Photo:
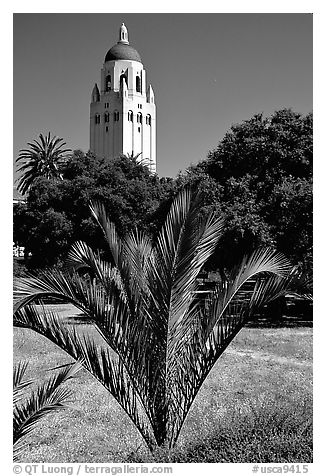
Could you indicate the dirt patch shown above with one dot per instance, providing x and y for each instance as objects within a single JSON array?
[{"x": 258, "y": 355}]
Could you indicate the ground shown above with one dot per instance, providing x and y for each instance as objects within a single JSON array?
[{"x": 264, "y": 371}]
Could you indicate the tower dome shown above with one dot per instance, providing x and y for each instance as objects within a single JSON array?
[{"x": 122, "y": 50}]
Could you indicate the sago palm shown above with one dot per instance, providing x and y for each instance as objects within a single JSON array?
[
  {"x": 29, "y": 409},
  {"x": 42, "y": 159},
  {"x": 159, "y": 338}
]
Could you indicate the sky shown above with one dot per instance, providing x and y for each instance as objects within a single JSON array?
[{"x": 208, "y": 71}]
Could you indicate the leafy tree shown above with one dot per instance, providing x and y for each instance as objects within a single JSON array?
[
  {"x": 242, "y": 179},
  {"x": 19, "y": 223},
  {"x": 257, "y": 170},
  {"x": 49, "y": 237},
  {"x": 291, "y": 220},
  {"x": 44, "y": 158},
  {"x": 245, "y": 224},
  {"x": 160, "y": 340},
  {"x": 268, "y": 149},
  {"x": 47, "y": 398},
  {"x": 57, "y": 212}
]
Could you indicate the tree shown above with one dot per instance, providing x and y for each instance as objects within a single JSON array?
[
  {"x": 47, "y": 398},
  {"x": 57, "y": 212},
  {"x": 245, "y": 225},
  {"x": 44, "y": 158},
  {"x": 253, "y": 168},
  {"x": 267, "y": 149},
  {"x": 291, "y": 221},
  {"x": 160, "y": 340},
  {"x": 19, "y": 223},
  {"x": 49, "y": 237}
]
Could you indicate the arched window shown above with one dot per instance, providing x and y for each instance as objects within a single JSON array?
[
  {"x": 108, "y": 83},
  {"x": 139, "y": 118},
  {"x": 138, "y": 84},
  {"x": 97, "y": 119},
  {"x": 148, "y": 119},
  {"x": 123, "y": 76},
  {"x": 106, "y": 117},
  {"x": 116, "y": 115},
  {"x": 130, "y": 116}
]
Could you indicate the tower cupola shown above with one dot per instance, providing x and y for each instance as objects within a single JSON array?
[{"x": 122, "y": 50}]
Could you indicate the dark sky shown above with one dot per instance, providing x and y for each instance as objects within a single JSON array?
[{"x": 208, "y": 71}]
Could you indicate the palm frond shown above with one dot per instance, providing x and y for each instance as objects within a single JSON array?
[
  {"x": 101, "y": 216},
  {"x": 81, "y": 256},
  {"x": 110, "y": 371},
  {"x": 208, "y": 329},
  {"x": 260, "y": 261},
  {"x": 191, "y": 263},
  {"x": 48, "y": 397},
  {"x": 19, "y": 372},
  {"x": 18, "y": 383},
  {"x": 183, "y": 246},
  {"x": 56, "y": 284},
  {"x": 131, "y": 256}
]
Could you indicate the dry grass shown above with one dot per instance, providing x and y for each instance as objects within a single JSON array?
[{"x": 263, "y": 372}]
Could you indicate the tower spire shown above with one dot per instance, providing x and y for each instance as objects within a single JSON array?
[{"x": 123, "y": 36}]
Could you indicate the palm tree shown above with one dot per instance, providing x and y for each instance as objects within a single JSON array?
[
  {"x": 133, "y": 156},
  {"x": 42, "y": 159},
  {"x": 159, "y": 338},
  {"x": 142, "y": 161},
  {"x": 47, "y": 398}
]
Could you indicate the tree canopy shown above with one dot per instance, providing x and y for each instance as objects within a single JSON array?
[
  {"x": 57, "y": 212},
  {"x": 267, "y": 148},
  {"x": 259, "y": 178}
]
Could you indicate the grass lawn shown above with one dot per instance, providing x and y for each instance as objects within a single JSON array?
[{"x": 255, "y": 406}]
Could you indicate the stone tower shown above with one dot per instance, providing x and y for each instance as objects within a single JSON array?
[{"x": 122, "y": 111}]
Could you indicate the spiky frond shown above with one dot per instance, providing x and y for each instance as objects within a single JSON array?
[
  {"x": 107, "y": 367},
  {"x": 262, "y": 261},
  {"x": 48, "y": 397},
  {"x": 18, "y": 383},
  {"x": 183, "y": 246},
  {"x": 164, "y": 338}
]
